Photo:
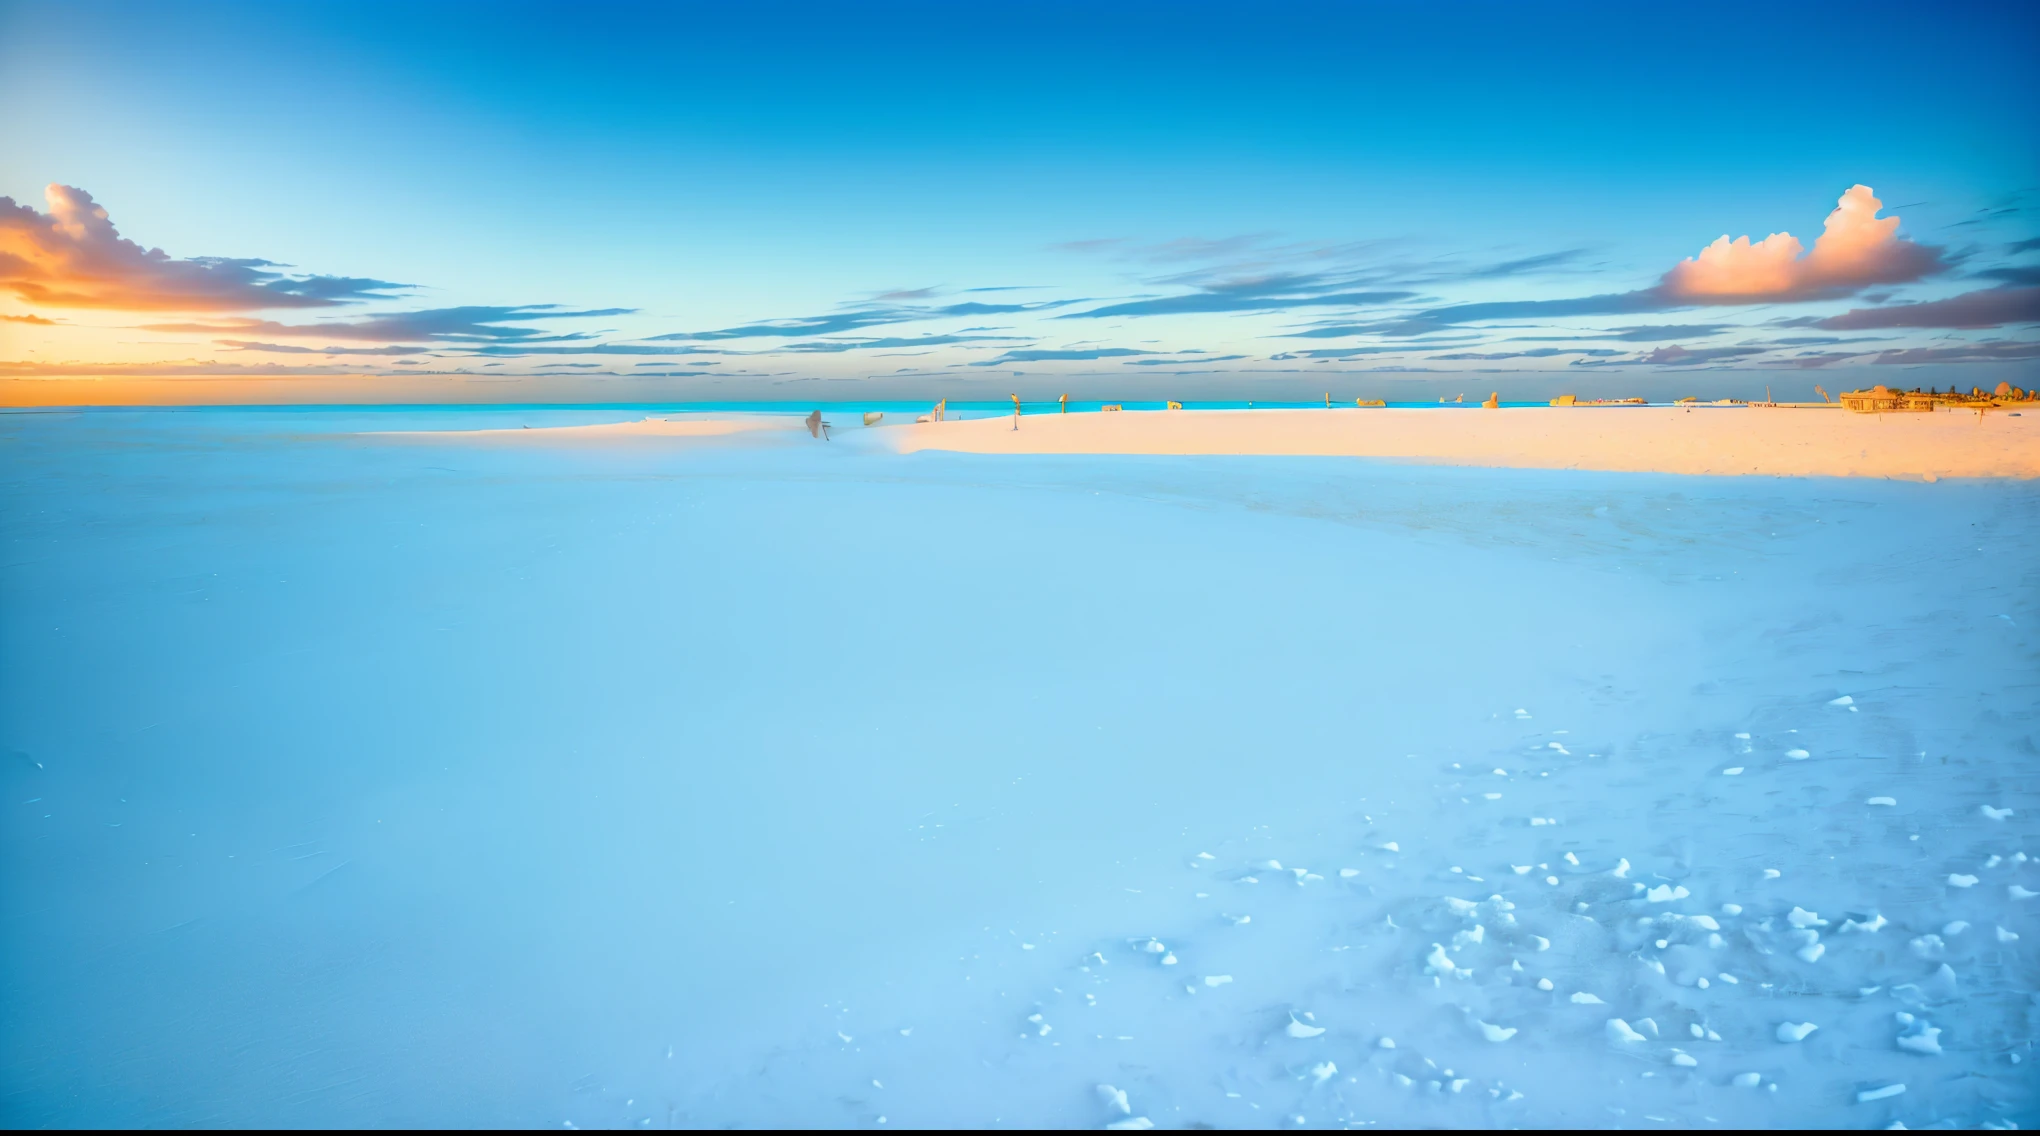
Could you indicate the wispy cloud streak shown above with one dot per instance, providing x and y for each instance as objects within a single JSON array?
[
  {"x": 1991, "y": 307},
  {"x": 471, "y": 324},
  {"x": 851, "y": 319}
]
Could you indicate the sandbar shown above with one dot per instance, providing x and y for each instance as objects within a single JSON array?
[{"x": 1718, "y": 440}]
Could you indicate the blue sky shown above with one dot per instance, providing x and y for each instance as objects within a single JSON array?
[{"x": 925, "y": 196}]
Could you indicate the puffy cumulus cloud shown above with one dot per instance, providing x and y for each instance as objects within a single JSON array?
[
  {"x": 1991, "y": 307},
  {"x": 73, "y": 257},
  {"x": 1855, "y": 250}
]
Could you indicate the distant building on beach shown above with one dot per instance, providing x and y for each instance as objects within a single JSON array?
[
  {"x": 1575, "y": 400},
  {"x": 1882, "y": 399}
]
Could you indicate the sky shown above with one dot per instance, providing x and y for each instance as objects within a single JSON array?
[{"x": 609, "y": 202}]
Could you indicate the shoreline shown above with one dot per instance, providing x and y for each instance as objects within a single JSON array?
[{"x": 1708, "y": 440}]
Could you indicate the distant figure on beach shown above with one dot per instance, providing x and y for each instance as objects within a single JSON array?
[
  {"x": 816, "y": 427},
  {"x": 1494, "y": 401},
  {"x": 1016, "y": 412}
]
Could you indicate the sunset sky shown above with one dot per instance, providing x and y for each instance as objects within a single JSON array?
[{"x": 735, "y": 201}]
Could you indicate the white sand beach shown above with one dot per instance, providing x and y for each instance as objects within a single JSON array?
[{"x": 667, "y": 776}]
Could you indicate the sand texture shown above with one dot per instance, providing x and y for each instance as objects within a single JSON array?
[{"x": 1703, "y": 440}]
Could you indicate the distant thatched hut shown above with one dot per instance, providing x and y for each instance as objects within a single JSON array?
[{"x": 1882, "y": 398}]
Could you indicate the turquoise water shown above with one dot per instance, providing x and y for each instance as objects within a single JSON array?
[
  {"x": 958, "y": 408},
  {"x": 320, "y": 419}
]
